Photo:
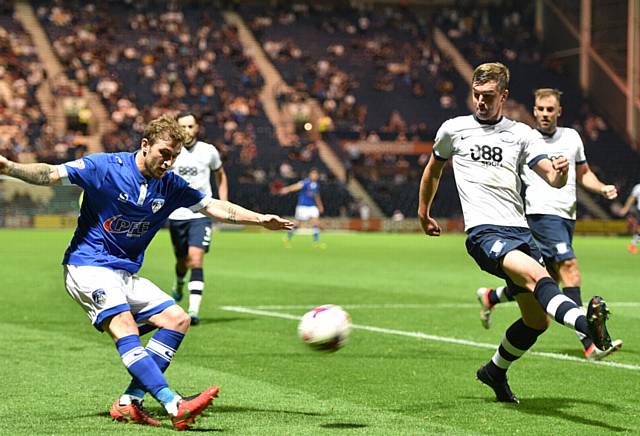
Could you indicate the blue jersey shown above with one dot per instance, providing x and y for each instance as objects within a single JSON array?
[
  {"x": 121, "y": 210},
  {"x": 307, "y": 195}
]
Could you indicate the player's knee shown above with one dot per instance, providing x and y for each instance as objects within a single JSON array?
[
  {"x": 180, "y": 321},
  {"x": 537, "y": 322},
  {"x": 570, "y": 273},
  {"x": 175, "y": 318},
  {"x": 194, "y": 263}
]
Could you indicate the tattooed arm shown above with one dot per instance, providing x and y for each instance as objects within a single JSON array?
[
  {"x": 232, "y": 213},
  {"x": 35, "y": 173}
]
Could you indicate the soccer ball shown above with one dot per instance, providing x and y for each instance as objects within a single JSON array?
[{"x": 325, "y": 328}]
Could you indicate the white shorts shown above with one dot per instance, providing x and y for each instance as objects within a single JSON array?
[
  {"x": 104, "y": 292},
  {"x": 305, "y": 213}
]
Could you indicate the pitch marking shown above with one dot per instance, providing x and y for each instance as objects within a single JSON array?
[
  {"x": 409, "y": 306},
  {"x": 424, "y": 336}
]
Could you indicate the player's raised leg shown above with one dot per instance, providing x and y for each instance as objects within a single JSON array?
[
  {"x": 488, "y": 298},
  {"x": 530, "y": 275}
]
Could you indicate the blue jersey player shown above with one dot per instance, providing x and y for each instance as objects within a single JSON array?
[
  {"x": 127, "y": 198},
  {"x": 309, "y": 206}
]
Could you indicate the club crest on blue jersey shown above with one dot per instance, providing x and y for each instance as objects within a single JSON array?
[
  {"x": 118, "y": 225},
  {"x": 157, "y": 204},
  {"x": 99, "y": 296}
]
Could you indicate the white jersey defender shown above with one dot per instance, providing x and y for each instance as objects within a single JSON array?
[
  {"x": 543, "y": 199},
  {"x": 487, "y": 161},
  {"x": 195, "y": 166}
]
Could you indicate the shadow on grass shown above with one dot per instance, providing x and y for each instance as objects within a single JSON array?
[
  {"x": 343, "y": 425},
  {"x": 240, "y": 409},
  {"x": 553, "y": 406},
  {"x": 204, "y": 321}
]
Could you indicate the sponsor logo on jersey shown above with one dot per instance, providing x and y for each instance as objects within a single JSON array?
[
  {"x": 123, "y": 197},
  {"x": 157, "y": 204},
  {"x": 119, "y": 225},
  {"x": 99, "y": 296},
  {"x": 507, "y": 136}
]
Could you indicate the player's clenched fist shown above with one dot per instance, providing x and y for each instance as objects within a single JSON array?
[
  {"x": 560, "y": 164},
  {"x": 429, "y": 226}
]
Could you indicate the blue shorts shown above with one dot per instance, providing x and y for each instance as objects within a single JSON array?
[
  {"x": 190, "y": 233},
  {"x": 488, "y": 244},
  {"x": 554, "y": 236}
]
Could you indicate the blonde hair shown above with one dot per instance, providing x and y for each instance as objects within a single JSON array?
[
  {"x": 492, "y": 71},
  {"x": 546, "y": 92},
  {"x": 165, "y": 127}
]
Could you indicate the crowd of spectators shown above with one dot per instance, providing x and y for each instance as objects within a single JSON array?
[
  {"x": 368, "y": 68},
  {"x": 379, "y": 77},
  {"x": 147, "y": 58},
  {"x": 22, "y": 123},
  {"x": 375, "y": 71}
]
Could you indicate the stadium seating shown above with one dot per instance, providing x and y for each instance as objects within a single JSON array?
[
  {"x": 148, "y": 60},
  {"x": 21, "y": 118}
]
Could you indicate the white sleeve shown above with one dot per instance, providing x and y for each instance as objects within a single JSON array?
[
  {"x": 636, "y": 192},
  {"x": 533, "y": 149},
  {"x": 443, "y": 146},
  {"x": 215, "y": 162},
  {"x": 581, "y": 156}
]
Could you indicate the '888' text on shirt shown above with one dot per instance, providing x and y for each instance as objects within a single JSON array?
[{"x": 487, "y": 159}]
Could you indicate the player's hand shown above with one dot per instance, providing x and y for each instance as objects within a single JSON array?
[
  {"x": 560, "y": 164},
  {"x": 4, "y": 165},
  {"x": 430, "y": 226},
  {"x": 609, "y": 192},
  {"x": 274, "y": 222}
]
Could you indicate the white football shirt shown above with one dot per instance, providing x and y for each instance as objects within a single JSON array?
[
  {"x": 487, "y": 160},
  {"x": 540, "y": 198},
  {"x": 195, "y": 166}
]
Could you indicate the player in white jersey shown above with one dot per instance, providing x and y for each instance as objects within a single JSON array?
[
  {"x": 633, "y": 201},
  {"x": 487, "y": 150},
  {"x": 191, "y": 231},
  {"x": 551, "y": 212}
]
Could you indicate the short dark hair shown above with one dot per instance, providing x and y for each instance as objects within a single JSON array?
[{"x": 187, "y": 114}]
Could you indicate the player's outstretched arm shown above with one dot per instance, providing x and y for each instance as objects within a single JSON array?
[
  {"x": 223, "y": 184},
  {"x": 428, "y": 188},
  {"x": 555, "y": 172},
  {"x": 34, "y": 173},
  {"x": 232, "y": 213},
  {"x": 291, "y": 188},
  {"x": 590, "y": 181}
]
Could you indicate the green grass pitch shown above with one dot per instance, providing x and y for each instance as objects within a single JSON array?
[{"x": 402, "y": 371}]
